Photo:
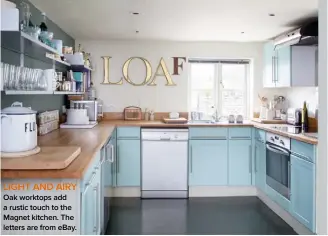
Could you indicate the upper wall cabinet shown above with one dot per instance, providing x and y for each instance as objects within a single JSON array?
[{"x": 290, "y": 66}]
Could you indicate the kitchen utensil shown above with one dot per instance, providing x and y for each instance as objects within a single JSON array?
[
  {"x": 77, "y": 116},
  {"x": 174, "y": 115},
  {"x": 239, "y": 119},
  {"x": 54, "y": 158},
  {"x": 94, "y": 108},
  {"x": 18, "y": 128},
  {"x": 180, "y": 120},
  {"x": 231, "y": 119},
  {"x": 132, "y": 113}
]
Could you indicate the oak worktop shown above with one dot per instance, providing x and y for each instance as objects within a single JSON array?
[{"x": 92, "y": 140}]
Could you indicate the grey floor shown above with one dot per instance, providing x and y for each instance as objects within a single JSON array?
[{"x": 225, "y": 215}]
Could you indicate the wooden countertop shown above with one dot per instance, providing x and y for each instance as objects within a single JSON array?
[{"x": 92, "y": 140}]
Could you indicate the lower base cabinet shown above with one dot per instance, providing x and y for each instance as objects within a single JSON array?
[
  {"x": 208, "y": 162},
  {"x": 240, "y": 162},
  {"x": 303, "y": 191},
  {"x": 127, "y": 165}
]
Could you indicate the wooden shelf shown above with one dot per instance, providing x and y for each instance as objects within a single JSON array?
[
  {"x": 58, "y": 60},
  {"x": 37, "y": 42}
]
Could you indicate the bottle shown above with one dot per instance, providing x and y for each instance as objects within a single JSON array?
[
  {"x": 92, "y": 92},
  {"x": 43, "y": 25},
  {"x": 305, "y": 118}
]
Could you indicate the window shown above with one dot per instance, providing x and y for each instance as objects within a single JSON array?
[{"x": 218, "y": 85}]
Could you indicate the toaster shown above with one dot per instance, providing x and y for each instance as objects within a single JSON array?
[
  {"x": 94, "y": 108},
  {"x": 294, "y": 116}
]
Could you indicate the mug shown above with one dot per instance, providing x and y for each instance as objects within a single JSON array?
[{"x": 50, "y": 77}]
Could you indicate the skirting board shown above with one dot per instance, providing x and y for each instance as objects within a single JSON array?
[
  {"x": 222, "y": 191},
  {"x": 290, "y": 220},
  {"x": 122, "y": 192}
]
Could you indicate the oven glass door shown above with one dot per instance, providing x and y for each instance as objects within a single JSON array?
[{"x": 278, "y": 169}]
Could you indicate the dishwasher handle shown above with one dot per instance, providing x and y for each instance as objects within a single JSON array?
[{"x": 165, "y": 138}]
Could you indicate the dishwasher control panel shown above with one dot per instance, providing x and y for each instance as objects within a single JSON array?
[{"x": 164, "y": 134}]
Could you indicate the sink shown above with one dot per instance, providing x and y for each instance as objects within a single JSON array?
[{"x": 201, "y": 122}]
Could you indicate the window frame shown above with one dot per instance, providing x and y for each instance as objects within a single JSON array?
[{"x": 217, "y": 85}]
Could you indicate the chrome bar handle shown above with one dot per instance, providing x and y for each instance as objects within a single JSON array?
[
  {"x": 250, "y": 158},
  {"x": 255, "y": 159},
  {"x": 273, "y": 70},
  {"x": 190, "y": 159},
  {"x": 95, "y": 219},
  {"x": 112, "y": 149},
  {"x": 289, "y": 179}
]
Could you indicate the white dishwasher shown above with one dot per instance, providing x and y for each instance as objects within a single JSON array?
[{"x": 164, "y": 163}]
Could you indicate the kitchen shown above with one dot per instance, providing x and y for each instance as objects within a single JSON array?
[{"x": 128, "y": 138}]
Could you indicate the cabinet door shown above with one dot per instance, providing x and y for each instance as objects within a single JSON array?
[
  {"x": 260, "y": 165},
  {"x": 128, "y": 163},
  {"x": 283, "y": 66},
  {"x": 302, "y": 191},
  {"x": 107, "y": 165},
  {"x": 268, "y": 73},
  {"x": 90, "y": 207},
  {"x": 208, "y": 162},
  {"x": 240, "y": 162}
]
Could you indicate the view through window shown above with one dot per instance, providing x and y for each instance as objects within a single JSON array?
[{"x": 218, "y": 85}]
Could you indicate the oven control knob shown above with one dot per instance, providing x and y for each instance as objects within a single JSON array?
[
  {"x": 272, "y": 139},
  {"x": 282, "y": 142}
]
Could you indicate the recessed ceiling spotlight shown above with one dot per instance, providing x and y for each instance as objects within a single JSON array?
[
  {"x": 134, "y": 13},
  {"x": 271, "y": 14},
  {"x": 242, "y": 32},
  {"x": 137, "y": 31}
]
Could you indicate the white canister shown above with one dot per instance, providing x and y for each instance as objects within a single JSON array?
[
  {"x": 50, "y": 77},
  {"x": 18, "y": 128}
]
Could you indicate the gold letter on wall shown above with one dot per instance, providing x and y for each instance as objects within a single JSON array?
[
  {"x": 162, "y": 65},
  {"x": 126, "y": 71},
  {"x": 106, "y": 72}
]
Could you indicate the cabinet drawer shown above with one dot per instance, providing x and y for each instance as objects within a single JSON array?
[
  {"x": 208, "y": 133},
  {"x": 259, "y": 135},
  {"x": 240, "y": 133},
  {"x": 128, "y": 133},
  {"x": 304, "y": 150}
]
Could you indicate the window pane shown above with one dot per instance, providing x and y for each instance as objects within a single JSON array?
[
  {"x": 202, "y": 88},
  {"x": 233, "y": 96}
]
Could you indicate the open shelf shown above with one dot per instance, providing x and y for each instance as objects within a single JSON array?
[
  {"x": 68, "y": 92},
  {"x": 80, "y": 68},
  {"x": 58, "y": 60},
  {"x": 39, "y": 43},
  {"x": 22, "y": 92}
]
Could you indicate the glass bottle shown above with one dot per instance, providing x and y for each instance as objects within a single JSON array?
[
  {"x": 43, "y": 25},
  {"x": 26, "y": 15},
  {"x": 305, "y": 118},
  {"x": 92, "y": 92}
]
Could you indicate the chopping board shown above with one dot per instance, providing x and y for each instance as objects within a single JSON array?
[
  {"x": 180, "y": 120},
  {"x": 52, "y": 158},
  {"x": 268, "y": 121}
]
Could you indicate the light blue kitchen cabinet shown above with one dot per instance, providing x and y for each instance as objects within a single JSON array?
[
  {"x": 127, "y": 165},
  {"x": 303, "y": 191},
  {"x": 260, "y": 165},
  {"x": 283, "y": 66},
  {"x": 269, "y": 60},
  {"x": 208, "y": 162},
  {"x": 91, "y": 200},
  {"x": 240, "y": 162}
]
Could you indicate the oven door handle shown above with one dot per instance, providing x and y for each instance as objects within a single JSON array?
[{"x": 277, "y": 150}]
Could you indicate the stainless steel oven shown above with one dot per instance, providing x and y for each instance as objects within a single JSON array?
[{"x": 278, "y": 171}]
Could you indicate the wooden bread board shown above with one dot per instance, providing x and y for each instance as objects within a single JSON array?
[
  {"x": 52, "y": 158},
  {"x": 180, "y": 120},
  {"x": 269, "y": 121}
]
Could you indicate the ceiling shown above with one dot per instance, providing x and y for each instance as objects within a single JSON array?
[{"x": 178, "y": 20}]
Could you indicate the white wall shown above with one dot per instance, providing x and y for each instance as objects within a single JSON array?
[
  {"x": 163, "y": 98},
  {"x": 322, "y": 164},
  {"x": 297, "y": 95}
]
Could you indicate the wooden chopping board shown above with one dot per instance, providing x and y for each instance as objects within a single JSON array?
[
  {"x": 180, "y": 120},
  {"x": 52, "y": 158},
  {"x": 269, "y": 121}
]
